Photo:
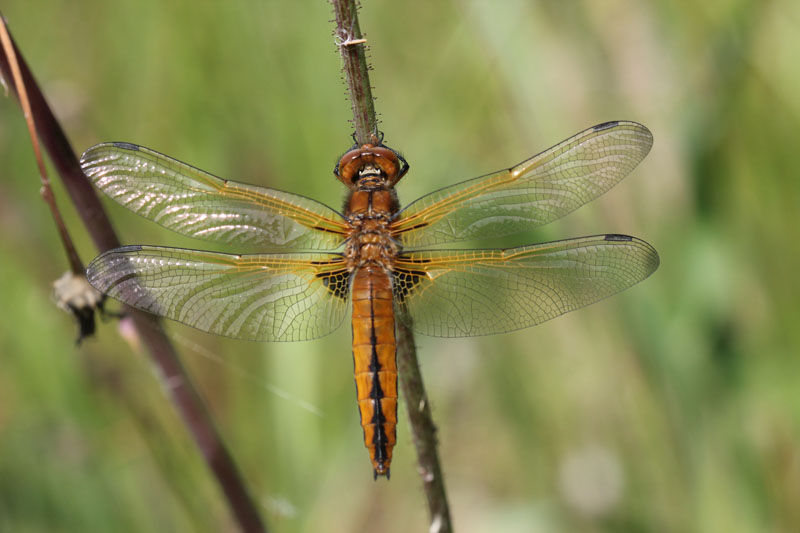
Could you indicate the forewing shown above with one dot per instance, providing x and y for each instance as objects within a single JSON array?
[
  {"x": 464, "y": 293},
  {"x": 535, "y": 192},
  {"x": 266, "y": 297},
  {"x": 195, "y": 203}
]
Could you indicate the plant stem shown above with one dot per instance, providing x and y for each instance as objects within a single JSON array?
[
  {"x": 181, "y": 389},
  {"x": 419, "y": 414},
  {"x": 46, "y": 191},
  {"x": 351, "y": 44},
  {"x": 352, "y": 47}
]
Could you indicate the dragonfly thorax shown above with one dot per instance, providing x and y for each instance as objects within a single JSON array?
[{"x": 369, "y": 213}]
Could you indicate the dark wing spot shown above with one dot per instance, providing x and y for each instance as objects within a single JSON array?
[
  {"x": 605, "y": 125},
  {"x": 127, "y": 146},
  {"x": 404, "y": 283},
  {"x": 337, "y": 283},
  {"x": 617, "y": 237},
  {"x": 129, "y": 248}
]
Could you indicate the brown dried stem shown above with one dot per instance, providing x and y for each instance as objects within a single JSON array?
[
  {"x": 183, "y": 393},
  {"x": 47, "y": 192},
  {"x": 351, "y": 44},
  {"x": 424, "y": 430}
]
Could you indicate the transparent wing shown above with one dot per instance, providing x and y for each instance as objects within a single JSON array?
[
  {"x": 454, "y": 293},
  {"x": 192, "y": 202},
  {"x": 533, "y": 193},
  {"x": 267, "y": 297}
]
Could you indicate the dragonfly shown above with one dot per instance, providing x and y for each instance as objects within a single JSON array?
[{"x": 380, "y": 260}]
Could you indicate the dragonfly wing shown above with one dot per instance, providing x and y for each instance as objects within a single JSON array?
[
  {"x": 266, "y": 297},
  {"x": 535, "y": 192},
  {"x": 464, "y": 293},
  {"x": 194, "y": 203}
]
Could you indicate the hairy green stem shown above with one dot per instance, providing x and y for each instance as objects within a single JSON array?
[{"x": 352, "y": 46}]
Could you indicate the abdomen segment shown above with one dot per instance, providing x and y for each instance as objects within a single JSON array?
[{"x": 374, "y": 360}]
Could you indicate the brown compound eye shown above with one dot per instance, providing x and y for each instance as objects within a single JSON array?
[{"x": 349, "y": 165}]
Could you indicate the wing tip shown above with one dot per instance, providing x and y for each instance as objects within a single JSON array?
[
  {"x": 605, "y": 125},
  {"x": 127, "y": 146},
  {"x": 89, "y": 154},
  {"x": 127, "y": 248},
  {"x": 651, "y": 260},
  {"x": 625, "y": 124},
  {"x": 94, "y": 265}
]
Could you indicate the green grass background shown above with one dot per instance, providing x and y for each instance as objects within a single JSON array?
[{"x": 672, "y": 407}]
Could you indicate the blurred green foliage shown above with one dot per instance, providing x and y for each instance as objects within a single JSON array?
[{"x": 672, "y": 407}]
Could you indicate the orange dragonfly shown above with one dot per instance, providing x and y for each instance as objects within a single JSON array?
[{"x": 375, "y": 254}]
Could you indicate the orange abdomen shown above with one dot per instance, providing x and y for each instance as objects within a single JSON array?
[{"x": 374, "y": 360}]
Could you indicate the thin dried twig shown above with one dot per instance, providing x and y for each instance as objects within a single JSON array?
[
  {"x": 183, "y": 393},
  {"x": 351, "y": 44},
  {"x": 47, "y": 192}
]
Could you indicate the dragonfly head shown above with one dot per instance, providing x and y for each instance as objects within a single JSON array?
[{"x": 371, "y": 166}]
